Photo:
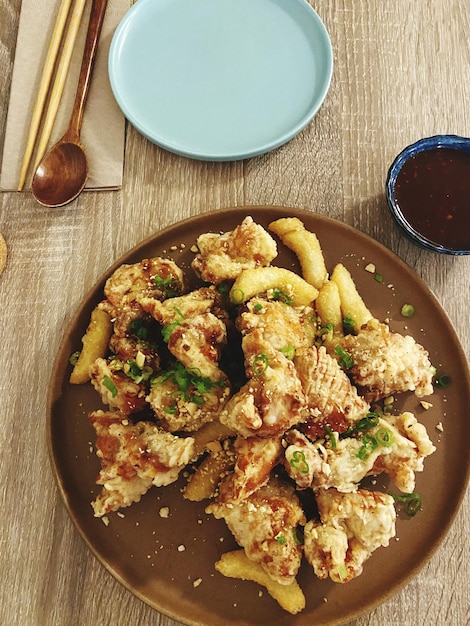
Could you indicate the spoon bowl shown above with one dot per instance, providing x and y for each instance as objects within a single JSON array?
[
  {"x": 68, "y": 161},
  {"x": 63, "y": 171}
]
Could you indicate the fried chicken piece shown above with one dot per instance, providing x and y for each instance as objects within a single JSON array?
[
  {"x": 255, "y": 458},
  {"x": 396, "y": 447},
  {"x": 223, "y": 257},
  {"x": 156, "y": 278},
  {"x": 352, "y": 526},
  {"x": 133, "y": 458},
  {"x": 328, "y": 390},
  {"x": 188, "y": 410},
  {"x": 386, "y": 362},
  {"x": 116, "y": 389},
  {"x": 265, "y": 525},
  {"x": 272, "y": 400},
  {"x": 195, "y": 335},
  {"x": 283, "y": 327},
  {"x": 132, "y": 329},
  {"x": 407, "y": 453},
  {"x": 134, "y": 332}
]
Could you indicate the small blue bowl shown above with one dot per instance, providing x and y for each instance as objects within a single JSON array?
[{"x": 452, "y": 142}]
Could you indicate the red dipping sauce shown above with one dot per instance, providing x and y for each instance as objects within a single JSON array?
[{"x": 432, "y": 191}]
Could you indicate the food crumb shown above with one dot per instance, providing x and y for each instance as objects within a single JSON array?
[
  {"x": 181, "y": 548},
  {"x": 194, "y": 249},
  {"x": 440, "y": 427},
  {"x": 164, "y": 512},
  {"x": 105, "y": 520},
  {"x": 197, "y": 582},
  {"x": 260, "y": 593},
  {"x": 121, "y": 515},
  {"x": 325, "y": 600},
  {"x": 426, "y": 405},
  {"x": 370, "y": 267}
]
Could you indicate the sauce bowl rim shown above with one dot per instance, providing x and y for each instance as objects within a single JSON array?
[{"x": 456, "y": 142}]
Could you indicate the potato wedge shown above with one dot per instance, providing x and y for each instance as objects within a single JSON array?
[
  {"x": 95, "y": 345},
  {"x": 352, "y": 304},
  {"x": 306, "y": 246},
  {"x": 207, "y": 434},
  {"x": 328, "y": 307},
  {"x": 251, "y": 282},
  {"x": 237, "y": 565},
  {"x": 203, "y": 483}
]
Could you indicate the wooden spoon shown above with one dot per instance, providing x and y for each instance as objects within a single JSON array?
[{"x": 63, "y": 171}]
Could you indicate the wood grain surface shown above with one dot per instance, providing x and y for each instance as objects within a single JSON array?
[{"x": 402, "y": 71}]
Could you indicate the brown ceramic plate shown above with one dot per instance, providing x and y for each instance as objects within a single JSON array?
[{"x": 140, "y": 548}]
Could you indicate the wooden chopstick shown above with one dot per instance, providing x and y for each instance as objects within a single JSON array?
[
  {"x": 59, "y": 82},
  {"x": 44, "y": 85}
]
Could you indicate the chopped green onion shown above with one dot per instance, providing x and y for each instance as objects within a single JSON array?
[
  {"x": 412, "y": 502},
  {"x": 331, "y": 436},
  {"x": 237, "y": 296},
  {"x": 299, "y": 462},
  {"x": 378, "y": 278},
  {"x": 73, "y": 358},
  {"x": 169, "y": 285},
  {"x": 369, "y": 444},
  {"x": 115, "y": 365},
  {"x": 282, "y": 296},
  {"x": 366, "y": 423},
  {"x": 138, "y": 328},
  {"x": 289, "y": 352},
  {"x": 110, "y": 386},
  {"x": 348, "y": 325},
  {"x": 384, "y": 437},
  {"x": 191, "y": 385},
  {"x": 223, "y": 288},
  {"x": 442, "y": 381},
  {"x": 297, "y": 539},
  {"x": 345, "y": 359},
  {"x": 258, "y": 307},
  {"x": 324, "y": 330},
  {"x": 260, "y": 364},
  {"x": 182, "y": 378},
  {"x": 342, "y": 571},
  {"x": 281, "y": 539},
  {"x": 135, "y": 373},
  {"x": 169, "y": 328},
  {"x": 171, "y": 410},
  {"x": 407, "y": 310}
]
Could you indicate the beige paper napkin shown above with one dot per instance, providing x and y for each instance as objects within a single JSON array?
[{"x": 103, "y": 124}]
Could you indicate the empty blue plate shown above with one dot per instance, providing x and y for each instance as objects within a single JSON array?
[{"x": 220, "y": 80}]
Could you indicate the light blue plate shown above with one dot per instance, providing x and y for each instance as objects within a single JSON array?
[{"x": 220, "y": 80}]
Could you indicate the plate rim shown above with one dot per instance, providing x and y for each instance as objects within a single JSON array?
[
  {"x": 246, "y": 210},
  {"x": 202, "y": 154}
]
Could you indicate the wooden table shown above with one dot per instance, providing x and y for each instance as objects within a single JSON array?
[{"x": 402, "y": 71}]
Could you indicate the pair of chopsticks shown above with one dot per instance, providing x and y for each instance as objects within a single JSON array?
[{"x": 61, "y": 65}]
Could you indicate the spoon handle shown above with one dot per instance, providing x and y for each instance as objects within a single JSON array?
[{"x": 98, "y": 10}]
